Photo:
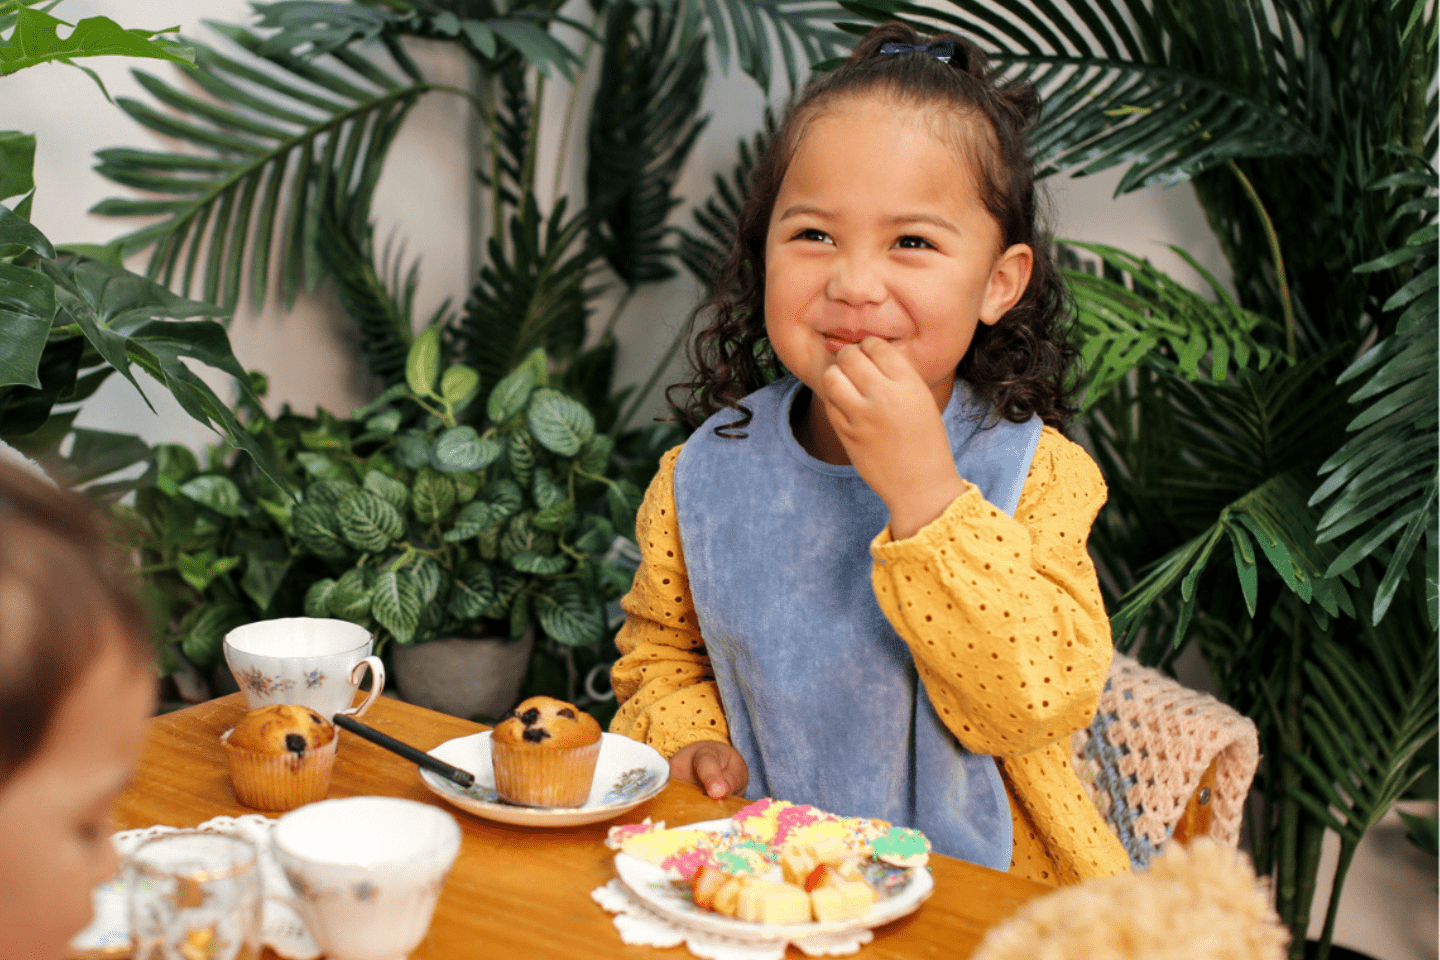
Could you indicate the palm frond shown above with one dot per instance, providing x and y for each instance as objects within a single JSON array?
[
  {"x": 275, "y": 134},
  {"x": 1383, "y": 485},
  {"x": 1119, "y": 325},
  {"x": 1194, "y": 464},
  {"x": 1115, "y": 90},
  {"x": 379, "y": 297},
  {"x": 312, "y": 27},
  {"x": 532, "y": 297},
  {"x": 510, "y": 118},
  {"x": 645, "y": 119},
  {"x": 1372, "y": 707},
  {"x": 1274, "y": 520},
  {"x": 802, "y": 31},
  {"x": 1370, "y": 711}
]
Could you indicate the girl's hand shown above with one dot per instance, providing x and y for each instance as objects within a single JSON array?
[
  {"x": 714, "y": 766},
  {"x": 889, "y": 422}
]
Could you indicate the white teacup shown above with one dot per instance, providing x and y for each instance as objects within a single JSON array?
[
  {"x": 311, "y": 661},
  {"x": 367, "y": 872}
]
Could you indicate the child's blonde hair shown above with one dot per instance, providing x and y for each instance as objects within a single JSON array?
[{"x": 62, "y": 598}]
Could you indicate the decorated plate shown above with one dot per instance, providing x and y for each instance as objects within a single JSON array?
[
  {"x": 626, "y": 775},
  {"x": 901, "y": 892}
]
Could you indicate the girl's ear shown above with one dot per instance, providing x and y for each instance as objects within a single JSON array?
[{"x": 1008, "y": 280}]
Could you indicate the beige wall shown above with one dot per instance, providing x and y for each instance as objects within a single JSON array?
[{"x": 425, "y": 199}]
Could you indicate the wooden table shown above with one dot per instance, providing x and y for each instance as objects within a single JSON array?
[{"x": 517, "y": 891}]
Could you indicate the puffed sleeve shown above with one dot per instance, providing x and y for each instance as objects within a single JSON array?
[
  {"x": 1004, "y": 615},
  {"x": 667, "y": 692}
]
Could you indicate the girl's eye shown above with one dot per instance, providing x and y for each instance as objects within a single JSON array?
[
  {"x": 809, "y": 233},
  {"x": 912, "y": 242}
]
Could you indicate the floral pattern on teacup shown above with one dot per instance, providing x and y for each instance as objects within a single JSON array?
[
  {"x": 259, "y": 684},
  {"x": 629, "y": 785},
  {"x": 314, "y": 680}
]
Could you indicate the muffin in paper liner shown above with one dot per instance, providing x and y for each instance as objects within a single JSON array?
[
  {"x": 265, "y": 780},
  {"x": 555, "y": 777}
]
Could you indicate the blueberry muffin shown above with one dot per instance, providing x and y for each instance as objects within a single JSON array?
[
  {"x": 281, "y": 757},
  {"x": 544, "y": 752}
]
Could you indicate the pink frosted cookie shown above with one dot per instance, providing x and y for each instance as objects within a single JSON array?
[
  {"x": 757, "y": 821},
  {"x": 773, "y": 821},
  {"x": 687, "y": 862},
  {"x": 616, "y": 837},
  {"x": 658, "y": 846}
]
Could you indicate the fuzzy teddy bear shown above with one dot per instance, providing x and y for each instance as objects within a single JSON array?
[{"x": 1201, "y": 902}]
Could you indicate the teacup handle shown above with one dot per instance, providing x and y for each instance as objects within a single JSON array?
[{"x": 377, "y": 684}]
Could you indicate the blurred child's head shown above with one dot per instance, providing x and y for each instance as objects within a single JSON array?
[
  {"x": 77, "y": 683},
  {"x": 1019, "y": 363}
]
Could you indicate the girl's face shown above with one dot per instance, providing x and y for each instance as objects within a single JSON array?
[
  {"x": 54, "y": 809},
  {"x": 878, "y": 230}
]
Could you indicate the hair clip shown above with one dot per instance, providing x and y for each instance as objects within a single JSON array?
[{"x": 942, "y": 50}]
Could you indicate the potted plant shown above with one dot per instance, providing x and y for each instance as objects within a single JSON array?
[{"x": 452, "y": 540}]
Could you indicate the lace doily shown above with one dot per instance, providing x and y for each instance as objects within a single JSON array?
[
  {"x": 638, "y": 924},
  {"x": 282, "y": 929}
]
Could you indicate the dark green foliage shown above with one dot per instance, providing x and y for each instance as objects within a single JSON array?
[
  {"x": 644, "y": 121},
  {"x": 531, "y": 297},
  {"x": 428, "y": 546},
  {"x": 1271, "y": 457}
]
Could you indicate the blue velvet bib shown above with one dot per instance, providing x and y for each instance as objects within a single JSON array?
[{"x": 820, "y": 692}]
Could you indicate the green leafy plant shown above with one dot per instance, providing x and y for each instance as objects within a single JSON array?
[
  {"x": 434, "y": 528},
  {"x": 407, "y": 522},
  {"x": 283, "y": 151},
  {"x": 1271, "y": 456},
  {"x": 215, "y": 541},
  {"x": 71, "y": 318},
  {"x": 276, "y": 162}
]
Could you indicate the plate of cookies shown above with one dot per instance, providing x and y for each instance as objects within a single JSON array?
[
  {"x": 547, "y": 764},
  {"x": 775, "y": 871}
]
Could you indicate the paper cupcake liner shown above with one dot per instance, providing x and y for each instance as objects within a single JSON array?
[
  {"x": 544, "y": 777},
  {"x": 284, "y": 781}
]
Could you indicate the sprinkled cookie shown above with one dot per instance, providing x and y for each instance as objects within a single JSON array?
[{"x": 783, "y": 862}]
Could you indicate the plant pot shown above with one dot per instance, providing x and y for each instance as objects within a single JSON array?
[
  {"x": 1337, "y": 952},
  {"x": 463, "y": 676}
]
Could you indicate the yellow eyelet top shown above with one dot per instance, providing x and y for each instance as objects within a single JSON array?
[{"x": 1003, "y": 617}]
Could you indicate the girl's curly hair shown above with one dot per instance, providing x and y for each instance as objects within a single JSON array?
[{"x": 1023, "y": 364}]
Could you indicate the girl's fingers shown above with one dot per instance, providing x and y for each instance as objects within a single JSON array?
[
  {"x": 860, "y": 368},
  {"x": 716, "y": 768},
  {"x": 711, "y": 773},
  {"x": 885, "y": 357},
  {"x": 840, "y": 391}
]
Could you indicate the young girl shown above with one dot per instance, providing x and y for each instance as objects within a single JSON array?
[
  {"x": 77, "y": 683},
  {"x": 865, "y": 587}
]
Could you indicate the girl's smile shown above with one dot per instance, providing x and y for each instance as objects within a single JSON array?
[{"x": 839, "y": 338}]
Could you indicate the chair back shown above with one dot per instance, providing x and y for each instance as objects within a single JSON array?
[{"x": 1163, "y": 762}]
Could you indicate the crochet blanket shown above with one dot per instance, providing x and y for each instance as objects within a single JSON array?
[{"x": 1142, "y": 757}]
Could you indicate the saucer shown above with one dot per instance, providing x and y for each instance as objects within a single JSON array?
[{"x": 626, "y": 775}]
